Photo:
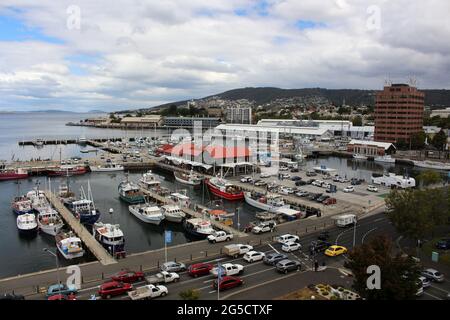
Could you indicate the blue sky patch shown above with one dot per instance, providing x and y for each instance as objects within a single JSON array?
[
  {"x": 308, "y": 24},
  {"x": 13, "y": 29}
]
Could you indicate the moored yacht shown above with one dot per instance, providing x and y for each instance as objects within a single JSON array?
[
  {"x": 149, "y": 180},
  {"x": 267, "y": 202},
  {"x": 386, "y": 158},
  {"x": 180, "y": 199},
  {"x": 84, "y": 209},
  {"x": 108, "y": 167},
  {"x": 69, "y": 245},
  {"x": 358, "y": 156},
  {"x": 223, "y": 189},
  {"x": 22, "y": 205},
  {"x": 26, "y": 223},
  {"x": 110, "y": 237},
  {"x": 49, "y": 221},
  {"x": 198, "y": 227},
  {"x": 130, "y": 193},
  {"x": 173, "y": 213},
  {"x": 148, "y": 213},
  {"x": 190, "y": 178}
]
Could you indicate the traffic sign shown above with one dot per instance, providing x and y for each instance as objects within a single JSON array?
[{"x": 168, "y": 236}]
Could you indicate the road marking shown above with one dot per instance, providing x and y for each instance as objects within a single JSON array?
[
  {"x": 437, "y": 288},
  {"x": 367, "y": 233},
  {"x": 273, "y": 248},
  {"x": 433, "y": 296}
]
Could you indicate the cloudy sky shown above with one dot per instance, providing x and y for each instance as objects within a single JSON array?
[{"x": 82, "y": 54}]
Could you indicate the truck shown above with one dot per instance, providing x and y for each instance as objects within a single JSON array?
[
  {"x": 163, "y": 277},
  {"x": 235, "y": 250},
  {"x": 219, "y": 236},
  {"x": 149, "y": 291},
  {"x": 345, "y": 220},
  {"x": 228, "y": 269}
]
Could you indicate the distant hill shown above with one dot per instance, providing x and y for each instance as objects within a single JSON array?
[{"x": 433, "y": 98}]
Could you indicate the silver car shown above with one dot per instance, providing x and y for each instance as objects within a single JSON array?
[
  {"x": 173, "y": 266},
  {"x": 433, "y": 275}
]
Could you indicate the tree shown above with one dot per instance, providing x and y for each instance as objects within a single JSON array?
[
  {"x": 398, "y": 274},
  {"x": 417, "y": 213},
  {"x": 357, "y": 121},
  {"x": 418, "y": 140},
  {"x": 190, "y": 294},
  {"x": 439, "y": 140},
  {"x": 429, "y": 177}
]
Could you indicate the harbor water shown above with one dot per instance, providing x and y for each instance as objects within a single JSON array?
[{"x": 23, "y": 255}]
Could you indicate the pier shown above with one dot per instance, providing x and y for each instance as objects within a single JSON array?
[
  {"x": 88, "y": 239},
  {"x": 195, "y": 214}
]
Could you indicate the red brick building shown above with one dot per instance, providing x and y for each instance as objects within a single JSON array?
[{"x": 398, "y": 113}]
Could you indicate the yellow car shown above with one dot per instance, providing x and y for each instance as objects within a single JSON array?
[{"x": 334, "y": 251}]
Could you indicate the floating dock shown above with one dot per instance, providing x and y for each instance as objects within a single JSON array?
[{"x": 88, "y": 239}]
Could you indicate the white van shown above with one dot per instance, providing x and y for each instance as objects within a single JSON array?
[{"x": 345, "y": 220}]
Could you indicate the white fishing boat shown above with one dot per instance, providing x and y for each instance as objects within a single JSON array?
[
  {"x": 111, "y": 237},
  {"x": 386, "y": 159},
  {"x": 432, "y": 165},
  {"x": 198, "y": 227},
  {"x": 147, "y": 213},
  {"x": 21, "y": 205},
  {"x": 190, "y": 178},
  {"x": 27, "y": 224},
  {"x": 149, "y": 180},
  {"x": 358, "y": 156},
  {"x": 69, "y": 245},
  {"x": 173, "y": 213},
  {"x": 49, "y": 221},
  {"x": 108, "y": 167},
  {"x": 181, "y": 199},
  {"x": 269, "y": 202},
  {"x": 38, "y": 199}
]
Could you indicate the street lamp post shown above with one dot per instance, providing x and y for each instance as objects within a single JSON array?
[
  {"x": 354, "y": 231},
  {"x": 57, "y": 268}
]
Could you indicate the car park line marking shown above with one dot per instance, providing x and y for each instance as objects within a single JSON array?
[
  {"x": 367, "y": 233},
  {"x": 433, "y": 296},
  {"x": 437, "y": 288},
  {"x": 273, "y": 248}
]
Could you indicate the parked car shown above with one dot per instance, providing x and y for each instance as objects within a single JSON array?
[
  {"x": 283, "y": 169},
  {"x": 433, "y": 275},
  {"x": 285, "y": 176},
  {"x": 300, "y": 183},
  {"x": 318, "y": 246},
  {"x": 11, "y": 296},
  {"x": 310, "y": 181},
  {"x": 265, "y": 175},
  {"x": 285, "y": 238},
  {"x": 290, "y": 246},
  {"x": 287, "y": 265},
  {"x": 349, "y": 189},
  {"x": 253, "y": 256},
  {"x": 317, "y": 183},
  {"x": 302, "y": 193},
  {"x": 113, "y": 288},
  {"x": 173, "y": 266},
  {"x": 329, "y": 201},
  {"x": 199, "y": 269},
  {"x": 443, "y": 244},
  {"x": 314, "y": 196},
  {"x": 273, "y": 258},
  {"x": 425, "y": 281},
  {"x": 335, "y": 250},
  {"x": 62, "y": 297},
  {"x": 286, "y": 190},
  {"x": 311, "y": 173},
  {"x": 322, "y": 198},
  {"x": 266, "y": 226},
  {"x": 355, "y": 181},
  {"x": 219, "y": 236},
  {"x": 372, "y": 188},
  {"x": 228, "y": 282},
  {"x": 128, "y": 276},
  {"x": 61, "y": 289},
  {"x": 260, "y": 183},
  {"x": 326, "y": 185},
  {"x": 296, "y": 178},
  {"x": 295, "y": 170},
  {"x": 246, "y": 179}
]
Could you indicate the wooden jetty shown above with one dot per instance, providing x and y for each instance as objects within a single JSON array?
[{"x": 88, "y": 239}]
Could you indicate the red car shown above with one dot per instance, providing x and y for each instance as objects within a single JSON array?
[
  {"x": 113, "y": 288},
  {"x": 199, "y": 269},
  {"x": 62, "y": 297},
  {"x": 228, "y": 282},
  {"x": 329, "y": 201},
  {"x": 128, "y": 276}
]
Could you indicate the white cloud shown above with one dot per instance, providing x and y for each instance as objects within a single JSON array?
[{"x": 142, "y": 53}]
